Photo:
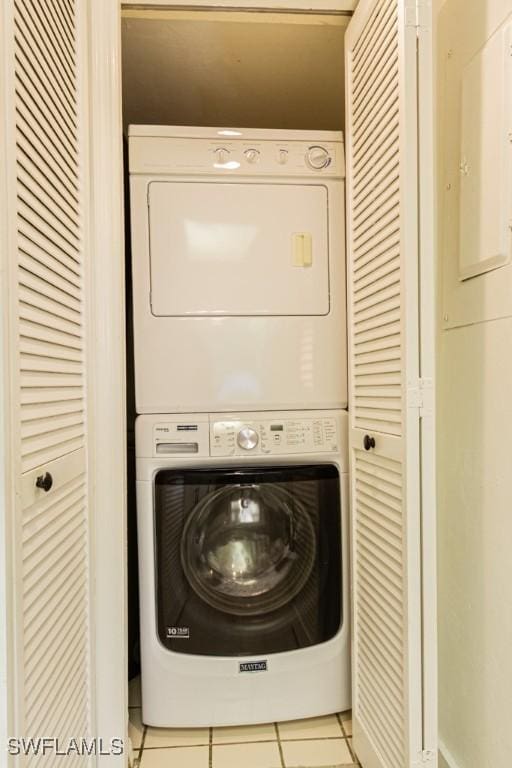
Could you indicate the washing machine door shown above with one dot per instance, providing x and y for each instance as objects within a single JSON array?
[
  {"x": 247, "y": 560},
  {"x": 248, "y": 549}
]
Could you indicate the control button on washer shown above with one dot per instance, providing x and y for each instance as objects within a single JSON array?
[{"x": 247, "y": 438}]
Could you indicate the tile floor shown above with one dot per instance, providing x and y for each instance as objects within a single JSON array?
[{"x": 322, "y": 742}]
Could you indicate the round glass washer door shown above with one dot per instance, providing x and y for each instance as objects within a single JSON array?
[{"x": 248, "y": 549}]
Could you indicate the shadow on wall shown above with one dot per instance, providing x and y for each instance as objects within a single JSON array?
[
  {"x": 133, "y": 575},
  {"x": 257, "y": 74}
]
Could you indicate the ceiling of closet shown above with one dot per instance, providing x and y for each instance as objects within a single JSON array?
[{"x": 257, "y": 70}]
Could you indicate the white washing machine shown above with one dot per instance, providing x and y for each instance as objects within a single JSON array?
[
  {"x": 238, "y": 251},
  {"x": 244, "y": 567}
]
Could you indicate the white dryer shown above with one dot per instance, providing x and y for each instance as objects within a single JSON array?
[
  {"x": 244, "y": 567},
  {"x": 238, "y": 251}
]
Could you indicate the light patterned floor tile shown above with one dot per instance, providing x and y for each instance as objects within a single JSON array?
[
  {"x": 134, "y": 696},
  {"x": 176, "y": 737},
  {"x": 178, "y": 757},
  {"x": 135, "y": 727},
  {"x": 346, "y": 719},
  {"x": 313, "y": 728},
  {"x": 244, "y": 733},
  {"x": 260, "y": 755},
  {"x": 313, "y": 754}
]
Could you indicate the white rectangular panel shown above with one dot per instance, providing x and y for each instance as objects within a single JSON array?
[
  {"x": 486, "y": 158},
  {"x": 230, "y": 249},
  {"x": 475, "y": 152}
]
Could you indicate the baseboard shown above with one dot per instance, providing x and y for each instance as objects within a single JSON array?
[{"x": 446, "y": 759}]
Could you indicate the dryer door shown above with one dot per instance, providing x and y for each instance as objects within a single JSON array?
[
  {"x": 248, "y": 560},
  {"x": 221, "y": 249}
]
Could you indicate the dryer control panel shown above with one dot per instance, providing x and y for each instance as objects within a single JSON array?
[
  {"x": 274, "y": 436},
  {"x": 236, "y": 153}
]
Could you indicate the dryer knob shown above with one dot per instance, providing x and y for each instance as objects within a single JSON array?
[
  {"x": 318, "y": 158},
  {"x": 247, "y": 438},
  {"x": 252, "y": 155},
  {"x": 222, "y": 155}
]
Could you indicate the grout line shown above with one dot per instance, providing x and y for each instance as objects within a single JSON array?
[
  {"x": 279, "y": 745},
  {"x": 348, "y": 739},
  {"x": 250, "y": 741},
  {"x": 210, "y": 747},
  {"x": 340, "y": 723},
  {"x": 141, "y": 747},
  {"x": 352, "y": 753},
  {"x": 313, "y": 738},
  {"x": 178, "y": 746}
]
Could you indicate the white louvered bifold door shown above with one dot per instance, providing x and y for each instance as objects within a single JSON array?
[
  {"x": 385, "y": 384},
  {"x": 47, "y": 124}
]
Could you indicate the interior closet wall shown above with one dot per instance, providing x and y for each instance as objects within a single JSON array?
[
  {"x": 256, "y": 70},
  {"x": 475, "y": 422}
]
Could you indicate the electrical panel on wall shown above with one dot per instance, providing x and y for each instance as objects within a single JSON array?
[{"x": 476, "y": 162}]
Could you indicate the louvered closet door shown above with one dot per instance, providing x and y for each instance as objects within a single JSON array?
[
  {"x": 384, "y": 293},
  {"x": 45, "y": 43}
]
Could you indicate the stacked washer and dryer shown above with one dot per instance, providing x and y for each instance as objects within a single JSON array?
[{"x": 238, "y": 251}]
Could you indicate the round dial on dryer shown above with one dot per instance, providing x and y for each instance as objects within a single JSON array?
[
  {"x": 222, "y": 155},
  {"x": 252, "y": 155},
  {"x": 247, "y": 438},
  {"x": 318, "y": 158}
]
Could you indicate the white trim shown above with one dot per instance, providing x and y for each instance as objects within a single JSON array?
[
  {"x": 107, "y": 436},
  {"x": 9, "y": 388},
  {"x": 409, "y": 204},
  {"x": 234, "y": 16},
  {"x": 7, "y": 486},
  {"x": 73, "y": 464},
  {"x": 427, "y": 302},
  {"x": 311, "y": 6},
  {"x": 446, "y": 759}
]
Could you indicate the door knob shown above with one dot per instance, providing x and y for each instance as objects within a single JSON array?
[
  {"x": 368, "y": 442},
  {"x": 45, "y": 482}
]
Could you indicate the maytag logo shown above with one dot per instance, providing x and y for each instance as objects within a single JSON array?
[{"x": 252, "y": 666}]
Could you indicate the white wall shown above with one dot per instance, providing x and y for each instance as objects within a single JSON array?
[
  {"x": 475, "y": 544},
  {"x": 474, "y": 450}
]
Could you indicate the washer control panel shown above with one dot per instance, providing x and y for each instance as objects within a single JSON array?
[{"x": 273, "y": 436}]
